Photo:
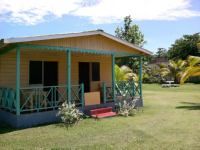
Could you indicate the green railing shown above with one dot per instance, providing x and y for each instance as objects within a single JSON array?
[
  {"x": 49, "y": 97},
  {"x": 107, "y": 93},
  {"x": 42, "y": 98},
  {"x": 7, "y": 99},
  {"x": 35, "y": 99},
  {"x": 77, "y": 95},
  {"x": 127, "y": 89},
  {"x": 123, "y": 90}
]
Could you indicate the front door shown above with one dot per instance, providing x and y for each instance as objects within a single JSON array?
[{"x": 84, "y": 75}]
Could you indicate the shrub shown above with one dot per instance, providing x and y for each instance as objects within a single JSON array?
[
  {"x": 69, "y": 114},
  {"x": 125, "y": 108}
]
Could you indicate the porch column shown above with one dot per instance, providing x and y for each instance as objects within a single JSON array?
[
  {"x": 17, "y": 81},
  {"x": 69, "y": 76},
  {"x": 140, "y": 78},
  {"x": 113, "y": 76}
]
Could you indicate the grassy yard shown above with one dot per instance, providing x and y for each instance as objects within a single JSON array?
[{"x": 170, "y": 120}]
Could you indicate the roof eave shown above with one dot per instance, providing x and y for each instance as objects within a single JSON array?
[{"x": 70, "y": 35}]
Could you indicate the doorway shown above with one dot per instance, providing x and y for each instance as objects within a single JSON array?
[
  {"x": 50, "y": 73},
  {"x": 84, "y": 75}
]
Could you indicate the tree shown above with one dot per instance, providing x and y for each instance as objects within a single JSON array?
[
  {"x": 185, "y": 46},
  {"x": 161, "y": 52},
  {"x": 124, "y": 73},
  {"x": 151, "y": 74},
  {"x": 173, "y": 70},
  {"x": 130, "y": 32},
  {"x": 193, "y": 68}
]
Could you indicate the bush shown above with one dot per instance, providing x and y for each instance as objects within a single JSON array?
[
  {"x": 69, "y": 114},
  {"x": 126, "y": 108}
]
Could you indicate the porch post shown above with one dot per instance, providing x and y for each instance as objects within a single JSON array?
[
  {"x": 140, "y": 78},
  {"x": 104, "y": 92},
  {"x": 69, "y": 76},
  {"x": 113, "y": 76},
  {"x": 82, "y": 95},
  {"x": 17, "y": 81}
]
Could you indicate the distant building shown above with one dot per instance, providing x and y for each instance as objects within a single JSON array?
[{"x": 159, "y": 60}]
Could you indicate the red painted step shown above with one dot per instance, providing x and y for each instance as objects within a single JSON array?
[{"x": 102, "y": 112}]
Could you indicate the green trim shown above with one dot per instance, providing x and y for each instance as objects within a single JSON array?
[
  {"x": 18, "y": 81},
  {"x": 113, "y": 76},
  {"x": 69, "y": 76},
  {"x": 82, "y": 95},
  {"x": 104, "y": 92},
  {"x": 140, "y": 76}
]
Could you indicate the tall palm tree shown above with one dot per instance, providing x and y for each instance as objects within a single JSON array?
[
  {"x": 193, "y": 68},
  {"x": 173, "y": 70}
]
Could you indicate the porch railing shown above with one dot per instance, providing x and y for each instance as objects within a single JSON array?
[
  {"x": 49, "y": 97},
  {"x": 123, "y": 90},
  {"x": 41, "y": 98},
  {"x": 127, "y": 89},
  {"x": 35, "y": 99},
  {"x": 7, "y": 99},
  {"x": 77, "y": 95}
]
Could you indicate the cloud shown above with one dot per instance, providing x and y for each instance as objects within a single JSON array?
[
  {"x": 114, "y": 10},
  {"x": 31, "y": 12}
]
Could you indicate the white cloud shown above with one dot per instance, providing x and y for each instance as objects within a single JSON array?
[
  {"x": 32, "y": 12},
  {"x": 114, "y": 10}
]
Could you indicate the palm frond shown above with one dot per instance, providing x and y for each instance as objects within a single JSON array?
[{"x": 190, "y": 72}]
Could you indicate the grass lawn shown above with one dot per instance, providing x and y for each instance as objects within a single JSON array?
[{"x": 170, "y": 120}]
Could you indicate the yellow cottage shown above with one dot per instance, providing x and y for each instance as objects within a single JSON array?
[{"x": 39, "y": 73}]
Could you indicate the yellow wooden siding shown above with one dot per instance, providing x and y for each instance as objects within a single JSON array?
[
  {"x": 97, "y": 42},
  {"x": 8, "y": 69}
]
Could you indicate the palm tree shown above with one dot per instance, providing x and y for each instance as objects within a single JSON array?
[
  {"x": 193, "y": 68},
  {"x": 124, "y": 73},
  {"x": 173, "y": 70}
]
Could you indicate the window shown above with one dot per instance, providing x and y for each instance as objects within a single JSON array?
[
  {"x": 43, "y": 72},
  {"x": 95, "y": 71},
  {"x": 35, "y": 72}
]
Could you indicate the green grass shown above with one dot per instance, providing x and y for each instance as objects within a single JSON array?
[{"x": 170, "y": 120}]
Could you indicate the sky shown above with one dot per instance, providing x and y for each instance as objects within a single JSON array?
[{"x": 161, "y": 21}]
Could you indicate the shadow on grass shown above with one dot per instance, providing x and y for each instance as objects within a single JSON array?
[
  {"x": 4, "y": 128},
  {"x": 189, "y": 106}
]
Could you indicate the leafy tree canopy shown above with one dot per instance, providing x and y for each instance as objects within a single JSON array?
[
  {"x": 185, "y": 46},
  {"x": 161, "y": 52},
  {"x": 130, "y": 32}
]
